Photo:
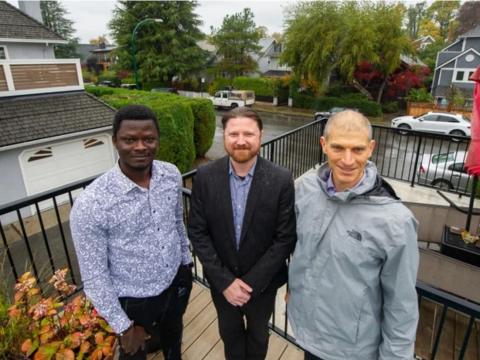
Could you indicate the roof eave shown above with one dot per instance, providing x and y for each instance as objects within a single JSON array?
[{"x": 33, "y": 41}]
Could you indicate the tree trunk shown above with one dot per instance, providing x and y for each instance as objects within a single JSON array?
[
  {"x": 362, "y": 90},
  {"x": 380, "y": 91}
]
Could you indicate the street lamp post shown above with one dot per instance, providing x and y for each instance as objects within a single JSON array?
[{"x": 134, "y": 49}]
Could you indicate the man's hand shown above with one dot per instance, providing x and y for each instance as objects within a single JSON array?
[
  {"x": 238, "y": 293},
  {"x": 134, "y": 339}
]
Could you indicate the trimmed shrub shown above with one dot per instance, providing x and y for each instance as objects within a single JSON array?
[
  {"x": 390, "y": 107},
  {"x": 175, "y": 120},
  {"x": 262, "y": 86},
  {"x": 366, "y": 107},
  {"x": 219, "y": 84},
  {"x": 109, "y": 76},
  {"x": 204, "y": 125},
  {"x": 419, "y": 95},
  {"x": 187, "y": 126}
]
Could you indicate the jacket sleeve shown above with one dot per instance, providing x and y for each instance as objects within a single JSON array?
[
  {"x": 400, "y": 304},
  {"x": 219, "y": 275},
  {"x": 260, "y": 276}
]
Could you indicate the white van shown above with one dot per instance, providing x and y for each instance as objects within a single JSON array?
[{"x": 233, "y": 98}]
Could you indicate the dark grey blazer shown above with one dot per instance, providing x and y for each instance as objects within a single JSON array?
[{"x": 268, "y": 233}]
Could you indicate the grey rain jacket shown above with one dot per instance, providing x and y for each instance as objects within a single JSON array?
[{"x": 353, "y": 272}]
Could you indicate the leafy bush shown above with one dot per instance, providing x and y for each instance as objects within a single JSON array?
[
  {"x": 390, "y": 107},
  {"x": 419, "y": 95},
  {"x": 261, "y": 86},
  {"x": 56, "y": 328},
  {"x": 12, "y": 332},
  {"x": 187, "y": 126},
  {"x": 99, "y": 91},
  {"x": 109, "y": 76},
  {"x": 367, "y": 107},
  {"x": 204, "y": 125},
  {"x": 89, "y": 77},
  {"x": 219, "y": 84}
]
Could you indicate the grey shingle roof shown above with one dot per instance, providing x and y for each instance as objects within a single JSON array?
[
  {"x": 14, "y": 24},
  {"x": 475, "y": 32},
  {"x": 30, "y": 118}
]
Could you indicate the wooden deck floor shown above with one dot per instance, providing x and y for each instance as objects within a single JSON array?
[{"x": 202, "y": 341}]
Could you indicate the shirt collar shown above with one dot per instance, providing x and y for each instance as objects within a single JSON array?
[
  {"x": 231, "y": 171},
  {"x": 331, "y": 186},
  {"x": 124, "y": 184}
]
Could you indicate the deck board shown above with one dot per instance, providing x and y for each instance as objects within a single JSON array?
[{"x": 201, "y": 339}]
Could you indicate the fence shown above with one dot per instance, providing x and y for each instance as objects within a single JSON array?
[
  {"x": 416, "y": 109},
  {"x": 40, "y": 241}
]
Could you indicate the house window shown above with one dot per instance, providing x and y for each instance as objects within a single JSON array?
[
  {"x": 88, "y": 143},
  {"x": 41, "y": 154},
  {"x": 463, "y": 75},
  {"x": 3, "y": 52}
]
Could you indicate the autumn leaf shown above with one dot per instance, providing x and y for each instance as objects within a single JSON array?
[
  {"x": 65, "y": 354},
  {"x": 46, "y": 352},
  {"x": 26, "y": 346},
  {"x": 97, "y": 354}
]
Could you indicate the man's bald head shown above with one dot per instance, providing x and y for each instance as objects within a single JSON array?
[{"x": 347, "y": 121}]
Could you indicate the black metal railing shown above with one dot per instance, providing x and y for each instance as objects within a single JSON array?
[
  {"x": 428, "y": 159},
  {"x": 36, "y": 236}
]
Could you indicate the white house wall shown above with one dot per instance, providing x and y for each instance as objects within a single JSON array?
[{"x": 29, "y": 51}]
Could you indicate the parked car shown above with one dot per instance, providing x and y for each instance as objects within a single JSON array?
[
  {"x": 444, "y": 170},
  {"x": 445, "y": 123},
  {"x": 106, "y": 83},
  {"x": 129, "y": 86},
  {"x": 326, "y": 114},
  {"x": 165, "y": 90},
  {"x": 234, "y": 98}
]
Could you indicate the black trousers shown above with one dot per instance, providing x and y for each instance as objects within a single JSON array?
[
  {"x": 244, "y": 329},
  {"x": 161, "y": 316}
]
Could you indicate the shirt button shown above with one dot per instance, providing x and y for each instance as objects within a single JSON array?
[
  {"x": 163, "y": 247},
  {"x": 158, "y": 229},
  {"x": 167, "y": 265},
  {"x": 154, "y": 211}
]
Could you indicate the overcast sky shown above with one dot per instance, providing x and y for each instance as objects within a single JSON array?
[{"x": 91, "y": 17}]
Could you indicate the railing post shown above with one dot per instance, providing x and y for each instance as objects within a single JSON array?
[
  {"x": 272, "y": 151},
  {"x": 416, "y": 162}
]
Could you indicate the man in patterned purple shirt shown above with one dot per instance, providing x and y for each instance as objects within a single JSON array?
[{"x": 130, "y": 240}]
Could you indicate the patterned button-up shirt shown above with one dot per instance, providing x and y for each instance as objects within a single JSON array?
[
  {"x": 239, "y": 188},
  {"x": 129, "y": 240}
]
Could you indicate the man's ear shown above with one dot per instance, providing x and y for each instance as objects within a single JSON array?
[
  {"x": 372, "y": 147},
  {"x": 323, "y": 142}
]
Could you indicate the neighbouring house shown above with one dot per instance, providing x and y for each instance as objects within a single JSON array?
[
  {"x": 423, "y": 41},
  {"x": 24, "y": 37},
  {"x": 268, "y": 59},
  {"x": 104, "y": 55},
  {"x": 455, "y": 64},
  {"x": 52, "y": 132}
]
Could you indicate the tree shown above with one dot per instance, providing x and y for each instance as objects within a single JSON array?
[
  {"x": 340, "y": 36},
  {"x": 102, "y": 39},
  {"x": 391, "y": 41},
  {"x": 443, "y": 12},
  {"x": 323, "y": 36},
  {"x": 415, "y": 15},
  {"x": 164, "y": 49},
  {"x": 468, "y": 17},
  {"x": 429, "y": 27},
  {"x": 236, "y": 41},
  {"x": 54, "y": 18}
]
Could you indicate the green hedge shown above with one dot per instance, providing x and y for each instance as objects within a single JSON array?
[
  {"x": 366, "y": 107},
  {"x": 261, "y": 86},
  {"x": 187, "y": 126}
]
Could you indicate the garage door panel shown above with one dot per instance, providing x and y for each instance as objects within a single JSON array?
[{"x": 69, "y": 162}]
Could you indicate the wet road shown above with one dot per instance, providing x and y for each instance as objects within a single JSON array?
[{"x": 273, "y": 125}]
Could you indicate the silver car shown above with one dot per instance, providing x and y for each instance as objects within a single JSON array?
[
  {"x": 445, "y": 123},
  {"x": 445, "y": 171}
]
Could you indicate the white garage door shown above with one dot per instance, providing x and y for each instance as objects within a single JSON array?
[{"x": 49, "y": 167}]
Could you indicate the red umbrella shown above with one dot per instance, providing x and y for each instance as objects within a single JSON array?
[{"x": 472, "y": 162}]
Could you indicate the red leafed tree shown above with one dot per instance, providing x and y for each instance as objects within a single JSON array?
[{"x": 398, "y": 83}]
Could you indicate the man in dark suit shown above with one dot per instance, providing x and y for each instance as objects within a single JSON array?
[{"x": 242, "y": 227}]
